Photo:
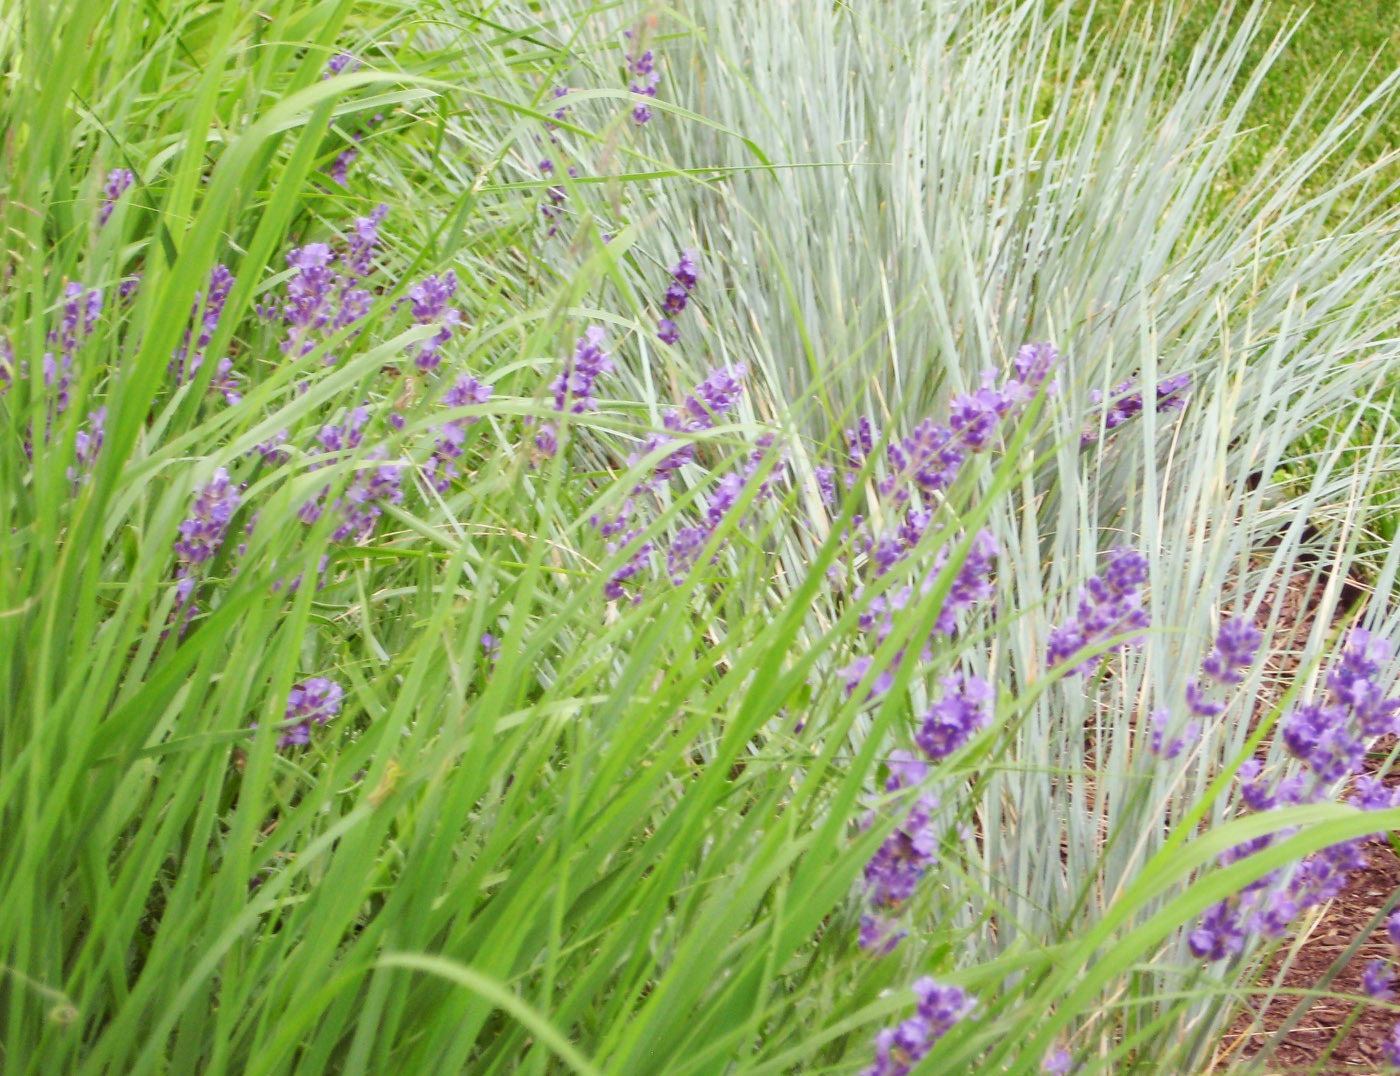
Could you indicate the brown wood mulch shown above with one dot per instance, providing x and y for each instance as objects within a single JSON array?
[{"x": 1332, "y": 1036}]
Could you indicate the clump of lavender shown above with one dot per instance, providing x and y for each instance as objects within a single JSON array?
[
  {"x": 87, "y": 442},
  {"x": 1231, "y": 655},
  {"x": 553, "y": 210},
  {"x": 643, "y": 78},
  {"x": 722, "y": 501},
  {"x": 374, "y": 485},
  {"x": 201, "y": 536},
  {"x": 341, "y": 62},
  {"x": 311, "y": 702},
  {"x": 432, "y": 305},
  {"x": 898, "y": 1049},
  {"x": 441, "y": 467},
  {"x": 81, "y": 308},
  {"x": 715, "y": 396},
  {"x": 118, "y": 182},
  {"x": 202, "y": 532},
  {"x": 206, "y": 313},
  {"x": 1329, "y": 737},
  {"x": 361, "y": 242},
  {"x": 321, "y": 300},
  {"x": 920, "y": 468},
  {"x": 558, "y": 93},
  {"x": 572, "y": 389},
  {"x": 1126, "y": 403},
  {"x": 685, "y": 274},
  {"x": 339, "y": 170},
  {"x": 372, "y": 488},
  {"x": 1109, "y": 605},
  {"x": 892, "y": 876}
]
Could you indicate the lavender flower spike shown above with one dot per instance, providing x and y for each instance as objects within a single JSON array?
[
  {"x": 898, "y": 1049},
  {"x": 313, "y": 701},
  {"x": 119, "y": 180}
]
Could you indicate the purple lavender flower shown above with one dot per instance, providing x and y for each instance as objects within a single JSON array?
[
  {"x": 1219, "y": 935},
  {"x": 898, "y": 1049},
  {"x": 893, "y": 874},
  {"x": 361, "y": 243},
  {"x": 87, "y": 442},
  {"x": 339, "y": 170},
  {"x": 644, "y": 77},
  {"x": 1109, "y": 605},
  {"x": 338, "y": 437},
  {"x": 573, "y": 389},
  {"x": 202, "y": 533},
  {"x": 431, "y": 306},
  {"x": 1391, "y": 1051},
  {"x": 372, "y": 488},
  {"x": 675, "y": 299},
  {"x": 1234, "y": 650},
  {"x": 273, "y": 450},
  {"x": 1392, "y": 928},
  {"x": 1378, "y": 980},
  {"x": 310, "y": 292},
  {"x": 119, "y": 180},
  {"x": 341, "y": 62},
  {"x": 1057, "y": 1063},
  {"x": 1371, "y": 794},
  {"x": 1317, "y": 735},
  {"x": 442, "y": 466},
  {"x": 310, "y": 702},
  {"x": 666, "y": 331},
  {"x": 206, "y": 313},
  {"x": 1126, "y": 403},
  {"x": 957, "y": 717},
  {"x": 1352, "y": 683},
  {"x": 1170, "y": 749}
]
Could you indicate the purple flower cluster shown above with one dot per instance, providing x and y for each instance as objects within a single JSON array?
[
  {"x": 712, "y": 398},
  {"x": 930, "y": 459},
  {"x": 643, "y": 77},
  {"x": 920, "y": 468},
  {"x": 685, "y": 274},
  {"x": 87, "y": 442},
  {"x": 1126, "y": 403},
  {"x": 119, "y": 181},
  {"x": 573, "y": 389},
  {"x": 373, "y": 486},
  {"x": 553, "y": 210},
  {"x": 432, "y": 305},
  {"x": 1110, "y": 605},
  {"x": 339, "y": 170},
  {"x": 898, "y": 1049},
  {"x": 689, "y": 542},
  {"x": 441, "y": 467},
  {"x": 893, "y": 874},
  {"x": 81, "y": 308},
  {"x": 207, "y": 313},
  {"x": 1231, "y": 655},
  {"x": 202, "y": 532},
  {"x": 310, "y": 702},
  {"x": 1329, "y": 737},
  {"x": 341, "y": 62},
  {"x": 321, "y": 301}
]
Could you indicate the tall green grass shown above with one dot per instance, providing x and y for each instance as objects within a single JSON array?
[{"x": 632, "y": 841}]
